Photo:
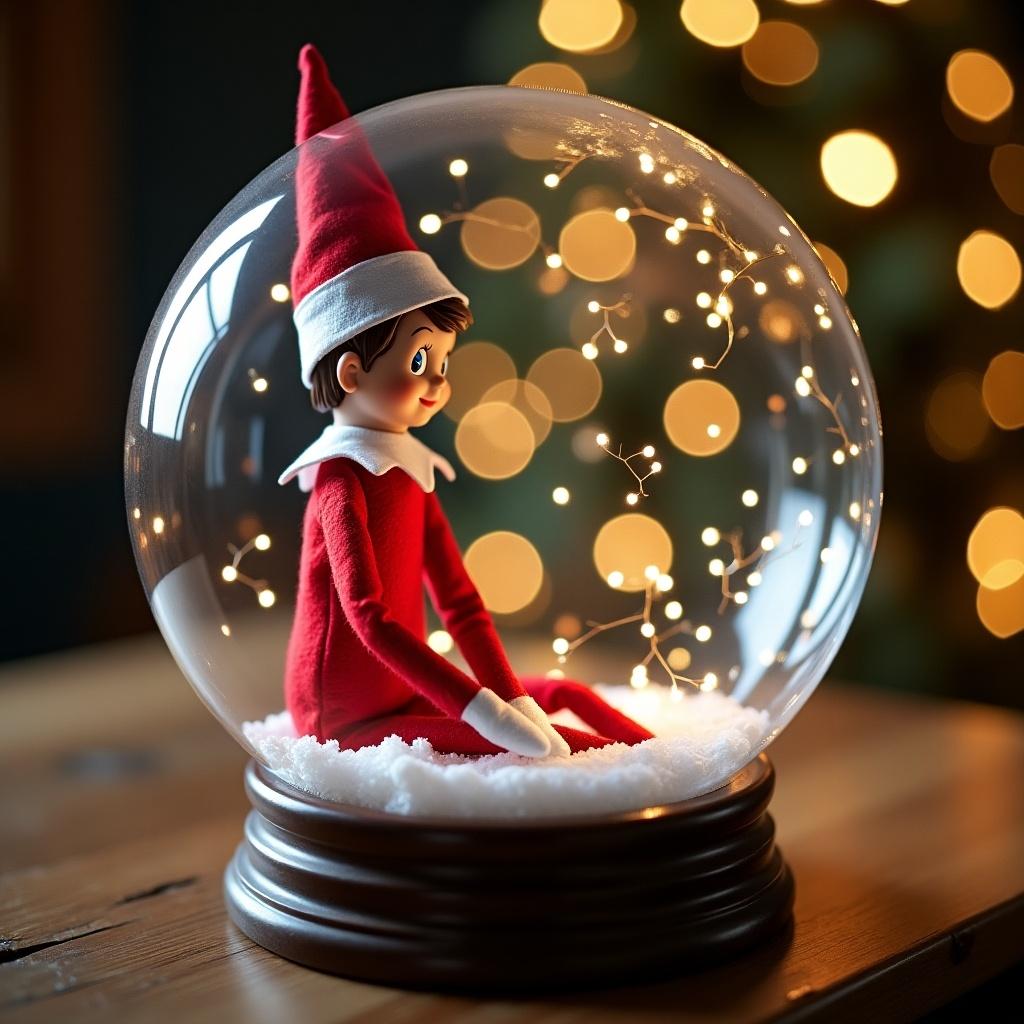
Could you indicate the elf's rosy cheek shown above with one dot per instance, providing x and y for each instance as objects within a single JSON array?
[{"x": 402, "y": 388}]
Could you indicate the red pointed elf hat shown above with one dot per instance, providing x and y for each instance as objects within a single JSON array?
[{"x": 356, "y": 264}]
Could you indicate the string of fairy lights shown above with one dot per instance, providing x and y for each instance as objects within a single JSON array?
[
  {"x": 647, "y": 452},
  {"x": 736, "y": 264},
  {"x": 231, "y": 573},
  {"x": 619, "y": 345}
]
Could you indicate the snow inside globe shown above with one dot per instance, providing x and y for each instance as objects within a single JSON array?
[{"x": 586, "y": 549}]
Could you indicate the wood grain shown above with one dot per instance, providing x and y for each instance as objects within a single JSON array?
[{"x": 121, "y": 803}]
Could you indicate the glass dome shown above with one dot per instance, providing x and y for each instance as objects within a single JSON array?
[{"x": 662, "y": 421}]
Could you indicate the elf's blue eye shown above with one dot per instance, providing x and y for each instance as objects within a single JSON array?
[{"x": 419, "y": 361}]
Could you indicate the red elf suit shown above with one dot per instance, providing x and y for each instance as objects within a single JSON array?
[{"x": 358, "y": 666}]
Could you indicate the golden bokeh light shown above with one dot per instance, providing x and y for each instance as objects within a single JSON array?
[
  {"x": 441, "y": 641},
  {"x": 528, "y": 399},
  {"x": 955, "y": 418},
  {"x": 1003, "y": 390},
  {"x": 580, "y": 25},
  {"x": 781, "y": 321},
  {"x": 720, "y": 22},
  {"x": 621, "y": 37},
  {"x": 628, "y": 544},
  {"x": 549, "y": 75},
  {"x": 568, "y": 625},
  {"x": 1002, "y": 611},
  {"x": 679, "y": 659},
  {"x": 836, "y": 267},
  {"x": 701, "y": 417},
  {"x": 571, "y": 382},
  {"x": 473, "y": 368},
  {"x": 781, "y": 53},
  {"x": 995, "y": 548},
  {"x": 506, "y": 569},
  {"x": 979, "y": 85},
  {"x": 494, "y": 440},
  {"x": 858, "y": 167},
  {"x": 596, "y": 246},
  {"x": 500, "y": 233},
  {"x": 989, "y": 269},
  {"x": 1007, "y": 171}
]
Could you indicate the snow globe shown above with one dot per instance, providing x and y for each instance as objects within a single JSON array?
[{"x": 658, "y": 450}]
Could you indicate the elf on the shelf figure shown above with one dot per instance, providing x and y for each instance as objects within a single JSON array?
[{"x": 376, "y": 323}]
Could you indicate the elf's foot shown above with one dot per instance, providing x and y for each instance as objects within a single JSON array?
[
  {"x": 535, "y": 713},
  {"x": 505, "y": 726}
]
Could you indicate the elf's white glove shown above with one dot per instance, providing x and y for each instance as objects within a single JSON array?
[
  {"x": 536, "y": 714},
  {"x": 505, "y": 726}
]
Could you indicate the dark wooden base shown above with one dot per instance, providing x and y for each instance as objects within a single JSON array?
[{"x": 510, "y": 906}]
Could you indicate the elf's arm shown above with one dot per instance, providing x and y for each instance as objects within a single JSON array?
[
  {"x": 341, "y": 507},
  {"x": 462, "y": 611},
  {"x": 460, "y": 606}
]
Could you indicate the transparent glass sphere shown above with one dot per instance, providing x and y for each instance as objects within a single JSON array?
[{"x": 662, "y": 421}]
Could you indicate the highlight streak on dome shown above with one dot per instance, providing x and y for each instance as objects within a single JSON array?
[
  {"x": 549, "y": 75},
  {"x": 835, "y": 264}
]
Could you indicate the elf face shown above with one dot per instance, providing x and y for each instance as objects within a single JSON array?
[{"x": 405, "y": 386}]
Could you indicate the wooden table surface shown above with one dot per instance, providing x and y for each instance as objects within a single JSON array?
[{"x": 121, "y": 802}]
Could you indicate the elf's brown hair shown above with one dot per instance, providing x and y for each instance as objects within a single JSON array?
[{"x": 326, "y": 393}]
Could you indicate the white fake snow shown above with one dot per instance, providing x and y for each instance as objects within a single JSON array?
[{"x": 700, "y": 742}]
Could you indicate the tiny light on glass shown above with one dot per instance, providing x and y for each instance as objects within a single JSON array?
[{"x": 440, "y": 641}]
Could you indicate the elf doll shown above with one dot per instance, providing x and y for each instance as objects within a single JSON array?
[{"x": 376, "y": 323}]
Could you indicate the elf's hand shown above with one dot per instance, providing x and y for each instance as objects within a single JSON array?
[
  {"x": 504, "y": 725},
  {"x": 536, "y": 714}
]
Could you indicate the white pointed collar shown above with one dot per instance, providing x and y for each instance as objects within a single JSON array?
[{"x": 375, "y": 450}]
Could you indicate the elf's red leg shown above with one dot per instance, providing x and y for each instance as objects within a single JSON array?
[
  {"x": 552, "y": 694},
  {"x": 446, "y": 735}
]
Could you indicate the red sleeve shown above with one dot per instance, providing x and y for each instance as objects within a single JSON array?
[
  {"x": 343, "y": 518},
  {"x": 461, "y": 608}
]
